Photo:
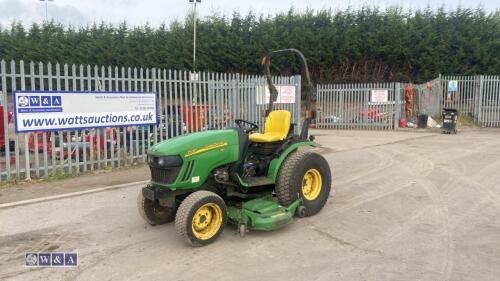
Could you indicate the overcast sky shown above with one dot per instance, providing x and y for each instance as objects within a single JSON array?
[{"x": 154, "y": 12}]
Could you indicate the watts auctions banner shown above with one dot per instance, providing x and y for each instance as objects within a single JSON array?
[{"x": 56, "y": 110}]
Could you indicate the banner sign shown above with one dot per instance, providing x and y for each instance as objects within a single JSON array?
[
  {"x": 71, "y": 110},
  {"x": 381, "y": 95},
  {"x": 286, "y": 94}
]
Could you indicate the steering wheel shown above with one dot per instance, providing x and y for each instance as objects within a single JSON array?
[{"x": 247, "y": 126}]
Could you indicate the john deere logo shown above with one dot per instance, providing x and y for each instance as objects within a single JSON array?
[{"x": 205, "y": 148}]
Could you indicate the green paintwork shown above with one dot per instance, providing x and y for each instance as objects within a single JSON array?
[
  {"x": 204, "y": 162},
  {"x": 263, "y": 214},
  {"x": 275, "y": 164}
]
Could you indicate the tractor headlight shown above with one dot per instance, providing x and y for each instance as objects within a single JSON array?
[{"x": 165, "y": 161}]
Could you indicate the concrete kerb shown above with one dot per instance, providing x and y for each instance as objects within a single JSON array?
[{"x": 68, "y": 195}]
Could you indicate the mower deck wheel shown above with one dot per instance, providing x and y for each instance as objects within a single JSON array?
[
  {"x": 201, "y": 218},
  {"x": 301, "y": 212},
  {"x": 152, "y": 212},
  {"x": 242, "y": 230}
]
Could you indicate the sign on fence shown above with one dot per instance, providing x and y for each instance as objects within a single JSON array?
[
  {"x": 452, "y": 86},
  {"x": 58, "y": 110},
  {"x": 193, "y": 76},
  {"x": 286, "y": 94},
  {"x": 380, "y": 95}
]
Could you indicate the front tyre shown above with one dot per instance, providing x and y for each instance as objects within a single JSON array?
[
  {"x": 306, "y": 174},
  {"x": 152, "y": 212},
  {"x": 201, "y": 218}
]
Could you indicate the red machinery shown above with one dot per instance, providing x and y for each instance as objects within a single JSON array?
[
  {"x": 39, "y": 145},
  {"x": 62, "y": 151},
  {"x": 373, "y": 115},
  {"x": 194, "y": 116},
  {"x": 3, "y": 138}
]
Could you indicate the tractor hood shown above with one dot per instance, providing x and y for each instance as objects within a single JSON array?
[
  {"x": 196, "y": 143},
  {"x": 200, "y": 154}
]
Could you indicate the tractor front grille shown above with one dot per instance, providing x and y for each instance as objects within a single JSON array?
[{"x": 165, "y": 175}]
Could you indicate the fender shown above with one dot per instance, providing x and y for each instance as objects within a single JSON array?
[{"x": 275, "y": 164}]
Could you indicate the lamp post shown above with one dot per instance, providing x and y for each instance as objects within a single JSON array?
[
  {"x": 194, "y": 32},
  {"x": 46, "y": 9}
]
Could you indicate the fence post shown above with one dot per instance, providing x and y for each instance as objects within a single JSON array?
[
  {"x": 158, "y": 97},
  {"x": 298, "y": 99},
  {"x": 318, "y": 103},
  {"x": 441, "y": 93},
  {"x": 480, "y": 100},
  {"x": 25, "y": 135},
  {"x": 235, "y": 97},
  {"x": 3, "y": 71},
  {"x": 397, "y": 104}
]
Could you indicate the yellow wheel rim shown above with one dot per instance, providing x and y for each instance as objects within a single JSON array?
[
  {"x": 311, "y": 184},
  {"x": 207, "y": 220}
]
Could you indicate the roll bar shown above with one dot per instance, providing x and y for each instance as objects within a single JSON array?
[{"x": 309, "y": 89}]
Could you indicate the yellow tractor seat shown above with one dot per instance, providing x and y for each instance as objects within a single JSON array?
[{"x": 276, "y": 127}]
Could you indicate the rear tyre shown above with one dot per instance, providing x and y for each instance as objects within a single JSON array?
[
  {"x": 201, "y": 218},
  {"x": 306, "y": 174},
  {"x": 152, "y": 212}
]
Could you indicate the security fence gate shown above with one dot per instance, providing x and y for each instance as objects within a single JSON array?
[
  {"x": 372, "y": 106},
  {"x": 488, "y": 107},
  {"x": 187, "y": 103},
  {"x": 352, "y": 106},
  {"x": 475, "y": 96}
]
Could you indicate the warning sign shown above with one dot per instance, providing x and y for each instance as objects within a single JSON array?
[
  {"x": 380, "y": 95},
  {"x": 286, "y": 94}
]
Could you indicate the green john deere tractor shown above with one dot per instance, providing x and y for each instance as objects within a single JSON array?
[{"x": 256, "y": 181}]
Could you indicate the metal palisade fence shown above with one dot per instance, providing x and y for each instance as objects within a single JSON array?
[
  {"x": 352, "y": 106},
  {"x": 476, "y": 96},
  {"x": 188, "y": 103}
]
